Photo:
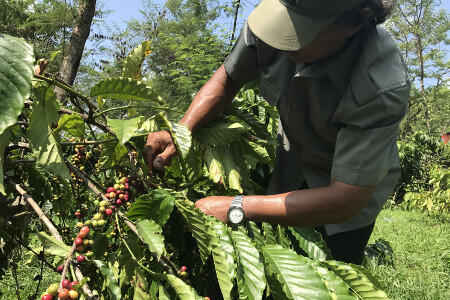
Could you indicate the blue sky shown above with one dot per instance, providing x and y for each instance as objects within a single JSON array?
[{"x": 125, "y": 10}]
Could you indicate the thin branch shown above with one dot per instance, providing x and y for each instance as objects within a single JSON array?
[
  {"x": 21, "y": 214},
  {"x": 20, "y": 161},
  {"x": 62, "y": 85},
  {"x": 236, "y": 12},
  {"x": 83, "y": 175},
  {"x": 165, "y": 108},
  {"x": 41, "y": 272},
  {"x": 38, "y": 211},
  {"x": 87, "y": 142},
  {"x": 66, "y": 264},
  {"x": 19, "y": 145},
  {"x": 131, "y": 252}
]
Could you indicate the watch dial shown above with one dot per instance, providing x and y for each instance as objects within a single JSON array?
[{"x": 236, "y": 216}]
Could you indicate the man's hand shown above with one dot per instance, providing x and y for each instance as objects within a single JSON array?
[
  {"x": 159, "y": 150},
  {"x": 216, "y": 206}
]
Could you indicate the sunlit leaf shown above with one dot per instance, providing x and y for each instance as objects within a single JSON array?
[
  {"x": 311, "y": 242},
  {"x": 16, "y": 71},
  {"x": 357, "y": 281},
  {"x": 151, "y": 233},
  {"x": 123, "y": 89},
  {"x": 132, "y": 65},
  {"x": 45, "y": 146},
  {"x": 52, "y": 245},
  {"x": 182, "y": 290},
  {"x": 250, "y": 272},
  {"x": 223, "y": 256},
  {"x": 220, "y": 132},
  {"x": 156, "y": 205},
  {"x": 291, "y": 276},
  {"x": 73, "y": 124},
  {"x": 124, "y": 128}
]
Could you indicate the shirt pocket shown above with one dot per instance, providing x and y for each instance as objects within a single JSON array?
[{"x": 269, "y": 91}]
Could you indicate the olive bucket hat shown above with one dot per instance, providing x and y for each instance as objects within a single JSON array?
[{"x": 292, "y": 24}]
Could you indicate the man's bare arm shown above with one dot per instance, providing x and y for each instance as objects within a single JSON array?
[
  {"x": 336, "y": 203},
  {"x": 210, "y": 101}
]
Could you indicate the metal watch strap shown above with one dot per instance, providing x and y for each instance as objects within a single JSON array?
[{"x": 237, "y": 201}]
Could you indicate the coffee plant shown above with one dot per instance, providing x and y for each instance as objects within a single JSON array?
[{"x": 114, "y": 230}]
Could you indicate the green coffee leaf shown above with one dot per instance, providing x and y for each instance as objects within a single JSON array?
[
  {"x": 311, "y": 242},
  {"x": 52, "y": 245},
  {"x": 291, "y": 276},
  {"x": 156, "y": 205},
  {"x": 250, "y": 272},
  {"x": 182, "y": 290},
  {"x": 44, "y": 143},
  {"x": 124, "y": 128},
  {"x": 16, "y": 71},
  {"x": 123, "y": 89},
  {"x": 231, "y": 169},
  {"x": 223, "y": 256},
  {"x": 357, "y": 281},
  {"x": 151, "y": 233},
  {"x": 269, "y": 234},
  {"x": 73, "y": 124},
  {"x": 111, "y": 279},
  {"x": 197, "y": 225},
  {"x": 220, "y": 132},
  {"x": 132, "y": 66}
]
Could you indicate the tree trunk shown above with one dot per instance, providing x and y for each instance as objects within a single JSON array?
[
  {"x": 422, "y": 85},
  {"x": 80, "y": 34},
  {"x": 238, "y": 3}
]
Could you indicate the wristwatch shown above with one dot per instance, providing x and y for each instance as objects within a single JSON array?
[{"x": 235, "y": 213}]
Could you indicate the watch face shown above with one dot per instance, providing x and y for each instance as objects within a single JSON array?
[{"x": 236, "y": 215}]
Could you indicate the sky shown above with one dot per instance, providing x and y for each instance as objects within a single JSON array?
[{"x": 125, "y": 10}]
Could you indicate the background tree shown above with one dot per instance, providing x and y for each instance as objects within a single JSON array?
[
  {"x": 75, "y": 48},
  {"x": 421, "y": 28}
]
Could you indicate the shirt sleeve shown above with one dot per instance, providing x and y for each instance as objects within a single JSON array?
[
  {"x": 242, "y": 62},
  {"x": 366, "y": 147}
]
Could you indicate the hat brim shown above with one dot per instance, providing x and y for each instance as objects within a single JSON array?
[{"x": 283, "y": 28}]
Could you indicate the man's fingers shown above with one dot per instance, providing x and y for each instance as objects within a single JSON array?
[
  {"x": 163, "y": 159},
  {"x": 147, "y": 154}
]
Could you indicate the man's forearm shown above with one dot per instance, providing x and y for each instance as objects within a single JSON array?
[
  {"x": 327, "y": 205},
  {"x": 211, "y": 100}
]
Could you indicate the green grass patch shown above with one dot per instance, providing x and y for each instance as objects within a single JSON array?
[{"x": 421, "y": 245}]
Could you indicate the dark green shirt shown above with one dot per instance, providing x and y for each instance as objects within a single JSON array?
[{"x": 339, "y": 117}]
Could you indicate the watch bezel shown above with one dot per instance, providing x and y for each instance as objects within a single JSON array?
[{"x": 238, "y": 208}]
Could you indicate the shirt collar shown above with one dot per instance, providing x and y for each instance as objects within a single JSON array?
[{"x": 338, "y": 68}]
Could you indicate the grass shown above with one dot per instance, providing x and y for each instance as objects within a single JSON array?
[{"x": 421, "y": 245}]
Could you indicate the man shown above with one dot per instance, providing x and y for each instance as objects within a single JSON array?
[{"x": 341, "y": 89}]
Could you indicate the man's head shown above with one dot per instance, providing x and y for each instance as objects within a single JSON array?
[{"x": 314, "y": 28}]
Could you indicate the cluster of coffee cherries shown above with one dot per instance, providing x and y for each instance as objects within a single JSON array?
[
  {"x": 120, "y": 192},
  {"x": 68, "y": 287},
  {"x": 79, "y": 159},
  {"x": 67, "y": 292}
]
